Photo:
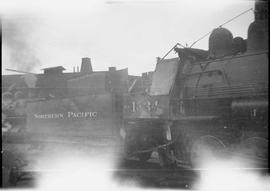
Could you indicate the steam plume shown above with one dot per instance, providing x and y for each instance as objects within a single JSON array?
[{"x": 17, "y": 37}]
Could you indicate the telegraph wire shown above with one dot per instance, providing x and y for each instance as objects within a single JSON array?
[
  {"x": 178, "y": 44},
  {"x": 221, "y": 26}
]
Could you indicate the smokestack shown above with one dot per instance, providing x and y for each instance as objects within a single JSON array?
[
  {"x": 86, "y": 66},
  {"x": 78, "y": 69},
  {"x": 261, "y": 10},
  {"x": 258, "y": 30},
  {"x": 73, "y": 69}
]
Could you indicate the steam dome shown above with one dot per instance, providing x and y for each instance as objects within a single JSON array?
[
  {"x": 239, "y": 45},
  {"x": 220, "y": 42}
]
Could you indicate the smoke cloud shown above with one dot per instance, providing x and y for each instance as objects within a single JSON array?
[
  {"x": 232, "y": 172},
  {"x": 30, "y": 80},
  {"x": 233, "y": 175},
  {"x": 18, "y": 39},
  {"x": 86, "y": 168}
]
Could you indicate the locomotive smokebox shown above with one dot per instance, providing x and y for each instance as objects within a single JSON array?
[{"x": 86, "y": 66}]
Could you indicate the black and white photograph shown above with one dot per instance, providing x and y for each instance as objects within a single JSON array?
[{"x": 134, "y": 95}]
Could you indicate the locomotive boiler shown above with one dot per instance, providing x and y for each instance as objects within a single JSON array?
[{"x": 213, "y": 101}]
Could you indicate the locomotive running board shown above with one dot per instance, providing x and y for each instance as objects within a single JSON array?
[{"x": 198, "y": 118}]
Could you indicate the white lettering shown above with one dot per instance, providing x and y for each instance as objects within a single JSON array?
[
  {"x": 70, "y": 114},
  {"x": 86, "y": 114},
  {"x": 94, "y": 114},
  {"x": 49, "y": 116}
]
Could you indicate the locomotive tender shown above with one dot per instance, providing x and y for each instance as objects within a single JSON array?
[
  {"x": 205, "y": 101},
  {"x": 82, "y": 108}
]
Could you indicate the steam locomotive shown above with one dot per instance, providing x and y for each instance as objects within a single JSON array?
[
  {"x": 201, "y": 101},
  {"x": 78, "y": 104},
  {"x": 74, "y": 109},
  {"x": 213, "y": 101}
]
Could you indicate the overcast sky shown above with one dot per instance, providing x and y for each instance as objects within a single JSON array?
[{"x": 126, "y": 34}]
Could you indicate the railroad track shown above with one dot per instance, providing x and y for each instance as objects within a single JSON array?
[
  {"x": 150, "y": 174},
  {"x": 145, "y": 174}
]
